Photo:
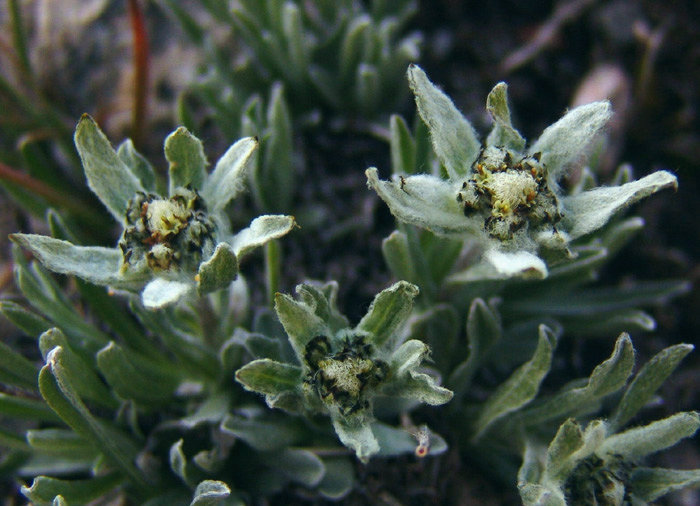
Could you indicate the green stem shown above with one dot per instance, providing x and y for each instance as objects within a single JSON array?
[
  {"x": 273, "y": 263},
  {"x": 19, "y": 37}
]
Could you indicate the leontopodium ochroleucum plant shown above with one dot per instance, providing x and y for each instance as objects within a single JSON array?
[
  {"x": 340, "y": 370},
  {"x": 173, "y": 245},
  {"x": 501, "y": 193}
]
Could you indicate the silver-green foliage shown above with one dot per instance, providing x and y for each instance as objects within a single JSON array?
[
  {"x": 502, "y": 195},
  {"x": 593, "y": 461},
  {"x": 171, "y": 246},
  {"x": 341, "y": 370}
]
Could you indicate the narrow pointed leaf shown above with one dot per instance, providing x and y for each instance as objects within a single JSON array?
[
  {"x": 92, "y": 263},
  {"x": 454, "y": 139},
  {"x": 389, "y": 310},
  {"x": 590, "y": 210},
  {"x": 605, "y": 379},
  {"x": 108, "y": 177},
  {"x": 219, "y": 271},
  {"x": 397, "y": 256},
  {"x": 521, "y": 387},
  {"x": 15, "y": 369},
  {"x": 300, "y": 323},
  {"x": 261, "y": 230},
  {"x": 503, "y": 133},
  {"x": 229, "y": 175},
  {"x": 140, "y": 384},
  {"x": 650, "y": 483},
  {"x": 269, "y": 377},
  {"x": 27, "y": 321},
  {"x": 45, "y": 489},
  {"x": 403, "y": 148},
  {"x": 185, "y": 154},
  {"x": 426, "y": 202},
  {"x": 566, "y": 140},
  {"x": 639, "y": 442},
  {"x": 138, "y": 164},
  {"x": 568, "y": 441},
  {"x": 26, "y": 409},
  {"x": 63, "y": 399},
  {"x": 483, "y": 331},
  {"x": 78, "y": 371},
  {"x": 646, "y": 383}
]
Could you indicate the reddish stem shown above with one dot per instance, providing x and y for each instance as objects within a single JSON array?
[{"x": 141, "y": 58}]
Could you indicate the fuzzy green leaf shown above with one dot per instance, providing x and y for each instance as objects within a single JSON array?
[
  {"x": 426, "y": 202},
  {"x": 355, "y": 432},
  {"x": 650, "y": 483},
  {"x": 566, "y": 140},
  {"x": 389, "y": 310},
  {"x": 567, "y": 442},
  {"x": 503, "y": 133},
  {"x": 219, "y": 271},
  {"x": 95, "y": 264},
  {"x": 210, "y": 493},
  {"x": 533, "y": 494},
  {"x": 15, "y": 369},
  {"x": 45, "y": 489},
  {"x": 509, "y": 264},
  {"x": 322, "y": 299},
  {"x": 407, "y": 357},
  {"x": 269, "y": 377},
  {"x": 590, "y": 210},
  {"x": 483, "y": 331},
  {"x": 397, "y": 256},
  {"x": 59, "y": 441},
  {"x": 646, "y": 382},
  {"x": 403, "y": 148},
  {"x": 454, "y": 139},
  {"x": 300, "y": 466},
  {"x": 138, "y": 164},
  {"x": 185, "y": 154},
  {"x": 229, "y": 175},
  {"x": 108, "y": 177},
  {"x": 521, "y": 387},
  {"x": 132, "y": 380},
  {"x": 275, "y": 177},
  {"x": 162, "y": 292},
  {"x": 605, "y": 379},
  {"x": 263, "y": 434},
  {"x": 27, "y": 321},
  {"x": 261, "y": 230},
  {"x": 26, "y": 409},
  {"x": 639, "y": 442},
  {"x": 338, "y": 479},
  {"x": 300, "y": 322},
  {"x": 79, "y": 372},
  {"x": 63, "y": 399}
]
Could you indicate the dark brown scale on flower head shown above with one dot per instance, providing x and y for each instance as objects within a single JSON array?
[{"x": 316, "y": 350}]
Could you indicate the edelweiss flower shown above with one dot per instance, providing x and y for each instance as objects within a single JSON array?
[
  {"x": 341, "y": 370},
  {"x": 171, "y": 246},
  {"x": 503, "y": 194}
]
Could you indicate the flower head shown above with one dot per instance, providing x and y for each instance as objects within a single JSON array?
[
  {"x": 503, "y": 194},
  {"x": 339, "y": 369},
  {"x": 170, "y": 245}
]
